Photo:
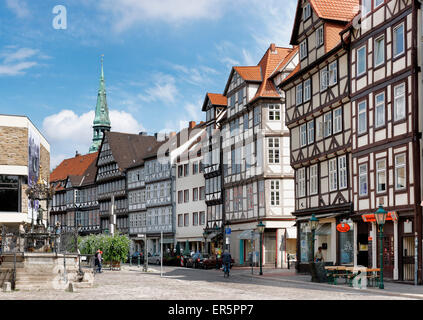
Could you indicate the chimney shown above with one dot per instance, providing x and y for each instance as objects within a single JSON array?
[
  {"x": 272, "y": 47},
  {"x": 192, "y": 124},
  {"x": 77, "y": 154},
  {"x": 143, "y": 133},
  {"x": 172, "y": 134}
]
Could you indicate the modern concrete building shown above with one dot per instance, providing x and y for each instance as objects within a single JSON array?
[{"x": 24, "y": 159}]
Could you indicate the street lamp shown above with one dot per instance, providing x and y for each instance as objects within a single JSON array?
[
  {"x": 313, "y": 223},
  {"x": 260, "y": 229},
  {"x": 380, "y": 216}
]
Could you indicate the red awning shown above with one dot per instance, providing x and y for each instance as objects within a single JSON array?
[{"x": 392, "y": 216}]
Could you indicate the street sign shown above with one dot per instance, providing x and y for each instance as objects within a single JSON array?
[{"x": 228, "y": 230}]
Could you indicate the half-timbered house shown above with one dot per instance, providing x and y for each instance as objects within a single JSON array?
[
  {"x": 385, "y": 133},
  {"x": 257, "y": 179},
  {"x": 318, "y": 115}
]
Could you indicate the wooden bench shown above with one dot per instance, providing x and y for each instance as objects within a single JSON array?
[{"x": 373, "y": 277}]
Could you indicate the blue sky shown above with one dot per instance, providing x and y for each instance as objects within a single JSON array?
[{"x": 160, "y": 58}]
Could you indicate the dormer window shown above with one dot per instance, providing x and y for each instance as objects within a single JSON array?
[{"x": 307, "y": 11}]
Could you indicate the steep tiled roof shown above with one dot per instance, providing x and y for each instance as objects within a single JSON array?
[
  {"x": 250, "y": 73},
  {"x": 218, "y": 99},
  {"x": 341, "y": 11},
  {"x": 273, "y": 57},
  {"x": 73, "y": 167},
  {"x": 332, "y": 36}
]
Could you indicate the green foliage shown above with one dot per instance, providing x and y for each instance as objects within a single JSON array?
[{"x": 114, "y": 248}]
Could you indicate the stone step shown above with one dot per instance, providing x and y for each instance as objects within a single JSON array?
[
  {"x": 11, "y": 265},
  {"x": 10, "y": 258}
]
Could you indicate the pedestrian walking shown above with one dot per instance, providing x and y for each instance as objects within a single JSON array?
[
  {"x": 226, "y": 261},
  {"x": 98, "y": 260}
]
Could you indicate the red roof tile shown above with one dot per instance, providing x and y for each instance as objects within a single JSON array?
[
  {"x": 218, "y": 99},
  {"x": 73, "y": 167},
  {"x": 340, "y": 10},
  {"x": 249, "y": 73}
]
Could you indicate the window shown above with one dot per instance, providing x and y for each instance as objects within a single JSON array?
[
  {"x": 195, "y": 194},
  {"x": 319, "y": 36},
  {"x": 361, "y": 60},
  {"x": 186, "y": 195},
  {"x": 299, "y": 95},
  {"x": 400, "y": 175},
  {"x": 186, "y": 219},
  {"x": 257, "y": 115},
  {"x": 307, "y": 90},
  {"x": 378, "y": 3},
  {"x": 362, "y": 170},
  {"x": 180, "y": 171},
  {"x": 324, "y": 79},
  {"x": 381, "y": 176},
  {"x": 380, "y": 110},
  {"x": 313, "y": 180},
  {"x": 310, "y": 129},
  {"x": 240, "y": 95},
  {"x": 195, "y": 219},
  {"x": 202, "y": 218},
  {"x": 303, "y": 135},
  {"x": 333, "y": 175},
  {"x": 398, "y": 40},
  {"x": 274, "y": 193},
  {"x": 342, "y": 171},
  {"x": 303, "y": 49},
  {"x": 186, "y": 170},
  {"x": 399, "y": 102},
  {"x": 180, "y": 222},
  {"x": 307, "y": 11},
  {"x": 301, "y": 182},
  {"x": 379, "y": 51},
  {"x": 202, "y": 193},
  {"x": 362, "y": 117},
  {"x": 274, "y": 113},
  {"x": 245, "y": 121},
  {"x": 195, "y": 168},
  {"x": 333, "y": 73},
  {"x": 337, "y": 120},
  {"x": 366, "y": 7},
  {"x": 273, "y": 150},
  {"x": 328, "y": 124}
]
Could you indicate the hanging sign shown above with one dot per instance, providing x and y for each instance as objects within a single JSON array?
[
  {"x": 343, "y": 227},
  {"x": 392, "y": 216}
]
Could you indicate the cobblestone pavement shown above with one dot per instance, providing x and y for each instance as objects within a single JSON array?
[{"x": 191, "y": 284}]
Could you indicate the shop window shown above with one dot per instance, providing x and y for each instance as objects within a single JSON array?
[
  {"x": 9, "y": 193},
  {"x": 346, "y": 245}
]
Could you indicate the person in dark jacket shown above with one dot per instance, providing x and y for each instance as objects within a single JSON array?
[{"x": 226, "y": 261}]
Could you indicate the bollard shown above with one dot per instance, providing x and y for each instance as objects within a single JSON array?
[
  {"x": 139, "y": 260},
  {"x": 288, "y": 261}
]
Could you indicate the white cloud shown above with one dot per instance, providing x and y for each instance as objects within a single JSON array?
[
  {"x": 199, "y": 75},
  {"x": 127, "y": 13},
  {"x": 15, "y": 61},
  {"x": 68, "y": 132},
  {"x": 164, "y": 89},
  {"x": 19, "y": 8}
]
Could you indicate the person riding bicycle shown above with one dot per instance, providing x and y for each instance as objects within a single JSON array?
[{"x": 226, "y": 261}]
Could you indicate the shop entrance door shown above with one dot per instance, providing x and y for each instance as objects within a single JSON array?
[
  {"x": 270, "y": 248},
  {"x": 408, "y": 247},
  {"x": 388, "y": 255}
]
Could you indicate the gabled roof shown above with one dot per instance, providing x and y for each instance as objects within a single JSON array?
[
  {"x": 273, "y": 57},
  {"x": 338, "y": 11},
  {"x": 249, "y": 74},
  {"x": 215, "y": 99},
  {"x": 75, "y": 166}
]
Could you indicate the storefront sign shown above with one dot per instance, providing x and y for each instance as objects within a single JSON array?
[
  {"x": 343, "y": 227},
  {"x": 392, "y": 216}
]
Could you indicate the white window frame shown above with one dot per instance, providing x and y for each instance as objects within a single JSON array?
[
  {"x": 299, "y": 94},
  {"x": 333, "y": 175},
  {"x": 379, "y": 105},
  {"x": 301, "y": 187},
  {"x": 319, "y": 37},
  {"x": 324, "y": 79},
  {"x": 362, "y": 174},
  {"x": 307, "y": 90},
  {"x": 364, "y": 61},
  {"x": 377, "y": 40},
  {"x": 307, "y": 12},
  {"x": 333, "y": 73},
  {"x": 361, "y": 129},
  {"x": 303, "y": 50},
  {"x": 378, "y": 4},
  {"x": 343, "y": 172},
  {"x": 274, "y": 112},
  {"x": 327, "y": 124},
  {"x": 366, "y": 7},
  {"x": 380, "y": 171},
  {"x": 274, "y": 192},
  {"x": 273, "y": 150},
  {"x": 337, "y": 120},
  {"x": 394, "y": 40},
  {"x": 399, "y": 166},
  {"x": 303, "y": 135},
  {"x": 314, "y": 179},
  {"x": 310, "y": 132},
  {"x": 397, "y": 98}
]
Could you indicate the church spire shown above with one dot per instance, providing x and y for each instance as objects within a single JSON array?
[{"x": 101, "y": 120}]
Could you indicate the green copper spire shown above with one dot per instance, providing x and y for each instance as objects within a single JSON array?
[{"x": 101, "y": 120}]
